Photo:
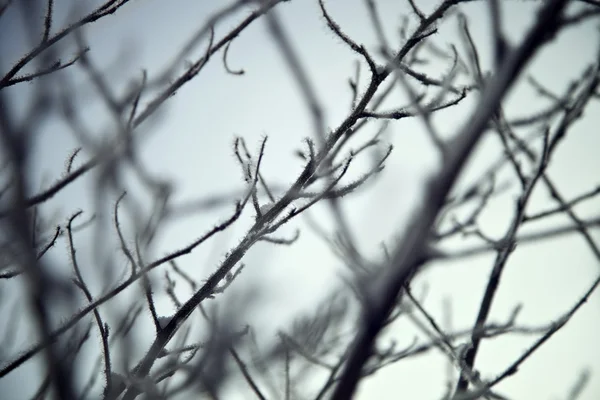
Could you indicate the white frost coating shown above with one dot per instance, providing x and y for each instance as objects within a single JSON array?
[{"x": 265, "y": 208}]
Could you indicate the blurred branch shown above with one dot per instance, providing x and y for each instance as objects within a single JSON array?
[{"x": 410, "y": 251}]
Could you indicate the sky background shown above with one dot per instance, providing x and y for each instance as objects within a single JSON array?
[{"x": 190, "y": 142}]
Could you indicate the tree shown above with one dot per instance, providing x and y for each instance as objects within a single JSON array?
[{"x": 134, "y": 308}]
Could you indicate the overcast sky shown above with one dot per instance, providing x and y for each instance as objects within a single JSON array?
[{"x": 191, "y": 143}]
